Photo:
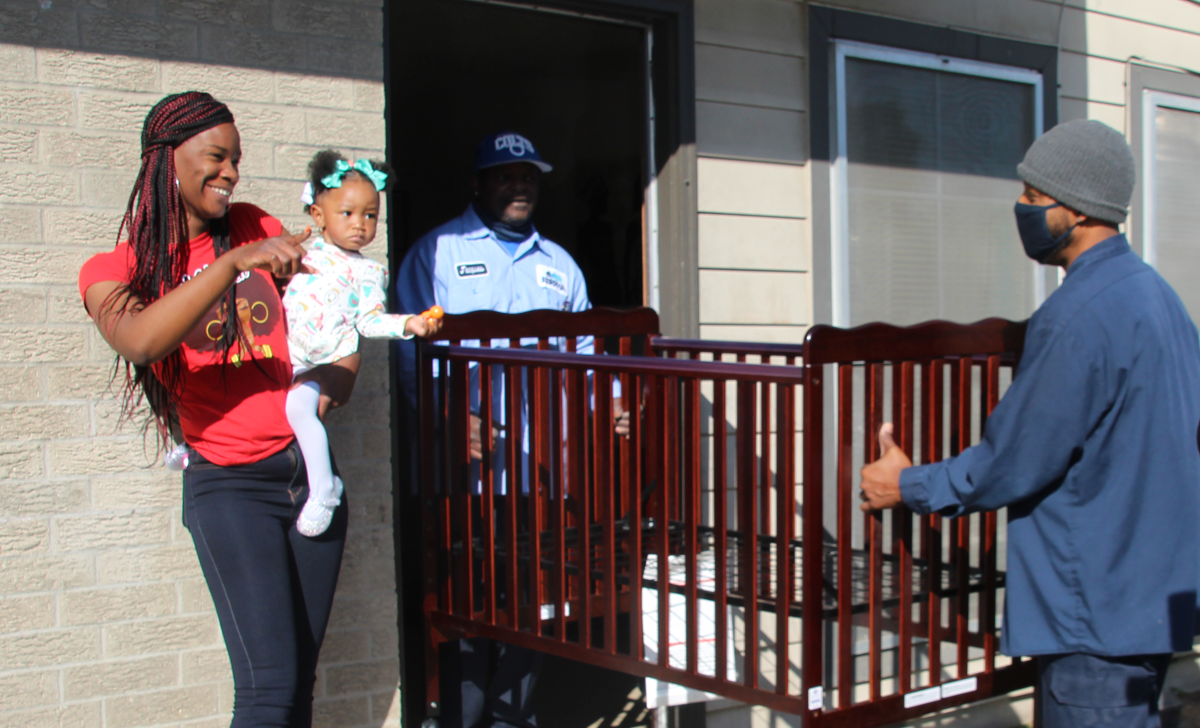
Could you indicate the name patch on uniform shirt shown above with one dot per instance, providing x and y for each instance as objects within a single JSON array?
[
  {"x": 471, "y": 270},
  {"x": 555, "y": 280}
]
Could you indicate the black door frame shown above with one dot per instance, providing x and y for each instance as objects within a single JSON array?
[{"x": 674, "y": 154}]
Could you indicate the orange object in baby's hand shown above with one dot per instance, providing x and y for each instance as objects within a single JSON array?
[{"x": 426, "y": 323}]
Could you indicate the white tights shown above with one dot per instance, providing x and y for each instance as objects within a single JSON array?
[{"x": 324, "y": 488}]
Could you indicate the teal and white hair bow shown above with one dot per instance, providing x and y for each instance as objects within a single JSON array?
[{"x": 362, "y": 166}]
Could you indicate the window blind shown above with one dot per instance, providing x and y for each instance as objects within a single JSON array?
[{"x": 931, "y": 180}]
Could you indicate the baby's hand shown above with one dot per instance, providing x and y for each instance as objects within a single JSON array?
[{"x": 426, "y": 324}]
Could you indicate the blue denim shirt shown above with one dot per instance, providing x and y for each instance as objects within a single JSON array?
[{"x": 1094, "y": 450}]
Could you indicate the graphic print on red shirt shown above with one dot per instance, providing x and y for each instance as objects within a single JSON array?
[{"x": 231, "y": 413}]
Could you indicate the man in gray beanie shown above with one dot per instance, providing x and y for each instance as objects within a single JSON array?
[{"x": 1093, "y": 449}]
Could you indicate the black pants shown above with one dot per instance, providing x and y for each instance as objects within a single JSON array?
[
  {"x": 1078, "y": 690},
  {"x": 487, "y": 684},
  {"x": 272, "y": 587}
]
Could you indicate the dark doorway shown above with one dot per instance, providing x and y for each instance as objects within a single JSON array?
[{"x": 575, "y": 86}]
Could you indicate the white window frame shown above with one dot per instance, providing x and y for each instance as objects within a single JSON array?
[
  {"x": 1151, "y": 102},
  {"x": 838, "y": 171}
]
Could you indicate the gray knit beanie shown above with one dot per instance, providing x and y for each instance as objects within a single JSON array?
[{"x": 1084, "y": 164}]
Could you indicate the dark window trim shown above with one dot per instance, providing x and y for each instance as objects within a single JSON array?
[
  {"x": 674, "y": 79},
  {"x": 826, "y": 25}
]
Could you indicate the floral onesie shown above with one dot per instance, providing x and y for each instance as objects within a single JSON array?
[{"x": 327, "y": 310}]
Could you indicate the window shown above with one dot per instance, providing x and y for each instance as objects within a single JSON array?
[
  {"x": 922, "y": 186},
  {"x": 1170, "y": 188}
]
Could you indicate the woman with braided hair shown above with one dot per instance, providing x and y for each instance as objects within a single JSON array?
[{"x": 191, "y": 303}]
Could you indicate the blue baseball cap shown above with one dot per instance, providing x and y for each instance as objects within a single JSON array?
[{"x": 506, "y": 147}]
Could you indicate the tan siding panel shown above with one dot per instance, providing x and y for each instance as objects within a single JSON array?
[
  {"x": 752, "y": 188},
  {"x": 768, "y": 334},
  {"x": 750, "y": 132},
  {"x": 1171, "y": 13},
  {"x": 746, "y": 77},
  {"x": 1070, "y": 109},
  {"x": 751, "y": 297},
  {"x": 1095, "y": 79},
  {"x": 1118, "y": 39},
  {"x": 758, "y": 243}
]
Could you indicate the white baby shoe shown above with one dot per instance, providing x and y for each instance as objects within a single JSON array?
[{"x": 316, "y": 515}]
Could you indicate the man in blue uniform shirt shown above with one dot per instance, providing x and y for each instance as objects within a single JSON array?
[
  {"x": 1093, "y": 449},
  {"x": 492, "y": 258}
]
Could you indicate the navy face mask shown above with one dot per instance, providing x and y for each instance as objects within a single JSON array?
[{"x": 1035, "y": 234}]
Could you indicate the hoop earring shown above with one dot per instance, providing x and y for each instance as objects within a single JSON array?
[{"x": 266, "y": 312}]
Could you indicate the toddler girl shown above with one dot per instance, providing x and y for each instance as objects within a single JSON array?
[{"x": 328, "y": 309}]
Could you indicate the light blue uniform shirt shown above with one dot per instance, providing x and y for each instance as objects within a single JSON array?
[{"x": 462, "y": 267}]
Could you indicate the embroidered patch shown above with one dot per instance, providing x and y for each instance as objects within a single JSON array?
[
  {"x": 555, "y": 280},
  {"x": 471, "y": 270}
]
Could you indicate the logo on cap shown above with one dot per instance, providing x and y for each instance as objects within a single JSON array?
[
  {"x": 516, "y": 145},
  {"x": 506, "y": 147}
]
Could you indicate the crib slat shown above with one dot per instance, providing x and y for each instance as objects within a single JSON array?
[
  {"x": 813, "y": 530},
  {"x": 785, "y": 512},
  {"x": 747, "y": 505},
  {"x": 931, "y": 539},
  {"x": 513, "y": 395},
  {"x": 962, "y": 547},
  {"x": 487, "y": 536},
  {"x": 602, "y": 462},
  {"x": 873, "y": 417},
  {"x": 764, "y": 487},
  {"x": 558, "y": 510},
  {"x": 632, "y": 458},
  {"x": 539, "y": 446},
  {"x": 845, "y": 548},
  {"x": 662, "y": 520},
  {"x": 902, "y": 415},
  {"x": 582, "y": 494},
  {"x": 691, "y": 515},
  {"x": 990, "y": 521},
  {"x": 720, "y": 524}
]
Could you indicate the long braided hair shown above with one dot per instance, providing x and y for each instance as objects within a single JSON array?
[{"x": 158, "y": 236}]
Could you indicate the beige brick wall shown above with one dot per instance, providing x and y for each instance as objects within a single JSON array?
[{"x": 105, "y": 620}]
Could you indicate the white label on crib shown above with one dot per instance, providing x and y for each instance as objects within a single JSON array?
[
  {"x": 547, "y": 611},
  {"x": 921, "y": 697},
  {"x": 816, "y": 698},
  {"x": 958, "y": 687}
]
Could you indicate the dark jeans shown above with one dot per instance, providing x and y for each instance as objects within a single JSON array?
[
  {"x": 487, "y": 684},
  {"x": 1079, "y": 690},
  {"x": 272, "y": 587}
]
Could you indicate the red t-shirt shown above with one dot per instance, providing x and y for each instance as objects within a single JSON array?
[{"x": 234, "y": 413}]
